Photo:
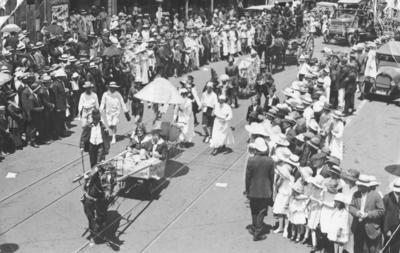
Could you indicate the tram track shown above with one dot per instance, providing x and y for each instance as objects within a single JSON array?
[
  {"x": 140, "y": 206},
  {"x": 71, "y": 164}
]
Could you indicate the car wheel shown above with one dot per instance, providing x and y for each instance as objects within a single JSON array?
[{"x": 351, "y": 39}]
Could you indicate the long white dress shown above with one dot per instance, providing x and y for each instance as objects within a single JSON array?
[
  {"x": 112, "y": 104},
  {"x": 225, "y": 43},
  {"x": 222, "y": 133},
  {"x": 184, "y": 116},
  {"x": 87, "y": 103},
  {"x": 370, "y": 67},
  {"x": 336, "y": 144},
  {"x": 281, "y": 203},
  {"x": 327, "y": 211}
]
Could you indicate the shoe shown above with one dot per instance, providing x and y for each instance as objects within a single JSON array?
[
  {"x": 34, "y": 145},
  {"x": 297, "y": 240},
  {"x": 259, "y": 238},
  {"x": 208, "y": 139},
  {"x": 113, "y": 140},
  {"x": 278, "y": 231},
  {"x": 285, "y": 234},
  {"x": 214, "y": 152},
  {"x": 250, "y": 228}
]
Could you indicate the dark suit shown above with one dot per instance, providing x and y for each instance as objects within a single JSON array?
[
  {"x": 252, "y": 114},
  {"x": 97, "y": 153},
  {"x": 60, "y": 101},
  {"x": 392, "y": 220},
  {"x": 48, "y": 103},
  {"x": 367, "y": 233},
  {"x": 259, "y": 188}
]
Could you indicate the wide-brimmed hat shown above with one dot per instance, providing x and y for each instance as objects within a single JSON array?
[
  {"x": 63, "y": 57},
  {"x": 288, "y": 92},
  {"x": 374, "y": 181},
  {"x": 113, "y": 85},
  {"x": 283, "y": 170},
  {"x": 395, "y": 185},
  {"x": 333, "y": 160},
  {"x": 259, "y": 144},
  {"x": 315, "y": 142},
  {"x": 293, "y": 160},
  {"x": 282, "y": 154},
  {"x": 290, "y": 119},
  {"x": 317, "y": 181},
  {"x": 364, "y": 180},
  {"x": 337, "y": 115},
  {"x": 306, "y": 98},
  {"x": 88, "y": 85},
  {"x": 281, "y": 140},
  {"x": 335, "y": 169},
  {"x": 38, "y": 45},
  {"x": 224, "y": 77},
  {"x": 257, "y": 129},
  {"x": 340, "y": 197}
]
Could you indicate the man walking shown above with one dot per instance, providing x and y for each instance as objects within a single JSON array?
[
  {"x": 392, "y": 217},
  {"x": 259, "y": 186}
]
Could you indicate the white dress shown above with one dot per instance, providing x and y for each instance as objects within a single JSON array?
[
  {"x": 314, "y": 208},
  {"x": 370, "y": 67},
  {"x": 86, "y": 105},
  {"x": 327, "y": 211},
  {"x": 184, "y": 116},
  {"x": 336, "y": 144},
  {"x": 222, "y": 133},
  {"x": 112, "y": 104},
  {"x": 281, "y": 203},
  {"x": 339, "y": 230},
  {"x": 297, "y": 207}
]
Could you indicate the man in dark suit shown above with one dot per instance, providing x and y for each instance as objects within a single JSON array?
[
  {"x": 259, "y": 186},
  {"x": 95, "y": 139},
  {"x": 392, "y": 217},
  {"x": 60, "y": 99},
  {"x": 368, "y": 210},
  {"x": 48, "y": 102},
  {"x": 255, "y": 111}
]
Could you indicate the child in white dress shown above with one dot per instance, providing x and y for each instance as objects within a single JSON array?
[
  {"x": 339, "y": 230},
  {"x": 297, "y": 214},
  {"x": 283, "y": 183}
]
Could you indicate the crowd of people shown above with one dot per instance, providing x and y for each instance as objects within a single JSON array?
[
  {"x": 63, "y": 76},
  {"x": 296, "y": 150}
]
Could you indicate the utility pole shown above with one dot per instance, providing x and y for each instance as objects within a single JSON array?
[
  {"x": 186, "y": 10},
  {"x": 212, "y": 7}
]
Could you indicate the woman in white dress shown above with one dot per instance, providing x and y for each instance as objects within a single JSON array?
[
  {"x": 371, "y": 67},
  {"x": 112, "y": 104},
  {"x": 221, "y": 133},
  {"x": 336, "y": 140},
  {"x": 183, "y": 116},
  {"x": 88, "y": 101}
]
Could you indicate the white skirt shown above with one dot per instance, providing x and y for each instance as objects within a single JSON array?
[{"x": 281, "y": 204}]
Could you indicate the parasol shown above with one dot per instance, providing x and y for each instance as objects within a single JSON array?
[
  {"x": 393, "y": 169},
  {"x": 4, "y": 78},
  {"x": 11, "y": 28},
  {"x": 160, "y": 91},
  {"x": 111, "y": 51}
]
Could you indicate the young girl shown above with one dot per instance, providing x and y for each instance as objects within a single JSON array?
[
  {"x": 339, "y": 231},
  {"x": 314, "y": 208},
  {"x": 297, "y": 214},
  {"x": 283, "y": 183}
]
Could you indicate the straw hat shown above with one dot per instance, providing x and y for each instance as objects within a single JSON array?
[
  {"x": 257, "y": 129},
  {"x": 306, "y": 172},
  {"x": 293, "y": 160},
  {"x": 282, "y": 154},
  {"x": 283, "y": 170},
  {"x": 395, "y": 185},
  {"x": 88, "y": 85},
  {"x": 281, "y": 140},
  {"x": 364, "y": 180},
  {"x": 317, "y": 181},
  {"x": 350, "y": 174},
  {"x": 113, "y": 85},
  {"x": 259, "y": 144},
  {"x": 374, "y": 181}
]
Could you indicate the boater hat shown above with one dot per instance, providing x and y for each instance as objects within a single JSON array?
[
  {"x": 88, "y": 85},
  {"x": 364, "y": 180},
  {"x": 113, "y": 85},
  {"x": 259, "y": 144},
  {"x": 395, "y": 185}
]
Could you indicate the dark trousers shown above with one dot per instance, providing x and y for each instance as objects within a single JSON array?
[
  {"x": 38, "y": 124},
  {"x": 30, "y": 132},
  {"x": 59, "y": 123},
  {"x": 96, "y": 212},
  {"x": 263, "y": 90},
  {"x": 364, "y": 244},
  {"x": 349, "y": 102},
  {"x": 47, "y": 125},
  {"x": 96, "y": 154},
  {"x": 258, "y": 208},
  {"x": 334, "y": 98}
]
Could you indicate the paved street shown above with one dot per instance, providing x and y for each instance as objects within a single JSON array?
[{"x": 40, "y": 209}]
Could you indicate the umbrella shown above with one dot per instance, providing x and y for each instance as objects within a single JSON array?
[
  {"x": 111, "y": 51},
  {"x": 11, "y": 28},
  {"x": 160, "y": 91},
  {"x": 393, "y": 169},
  {"x": 4, "y": 78}
]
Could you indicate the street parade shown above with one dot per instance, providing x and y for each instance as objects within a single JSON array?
[{"x": 200, "y": 126}]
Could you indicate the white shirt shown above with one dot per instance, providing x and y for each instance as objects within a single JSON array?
[
  {"x": 209, "y": 100},
  {"x": 363, "y": 201},
  {"x": 95, "y": 135}
]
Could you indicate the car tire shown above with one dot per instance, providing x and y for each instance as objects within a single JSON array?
[{"x": 352, "y": 39}]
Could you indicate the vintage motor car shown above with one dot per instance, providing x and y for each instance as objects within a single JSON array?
[
  {"x": 387, "y": 81},
  {"x": 353, "y": 22}
]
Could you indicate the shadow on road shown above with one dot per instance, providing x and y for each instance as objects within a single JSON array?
[
  {"x": 8, "y": 247},
  {"x": 110, "y": 234}
]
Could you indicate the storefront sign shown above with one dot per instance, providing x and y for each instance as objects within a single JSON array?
[{"x": 59, "y": 11}]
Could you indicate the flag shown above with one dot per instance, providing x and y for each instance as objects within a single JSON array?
[{"x": 3, "y": 4}]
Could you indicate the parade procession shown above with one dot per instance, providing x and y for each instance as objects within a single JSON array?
[{"x": 200, "y": 126}]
